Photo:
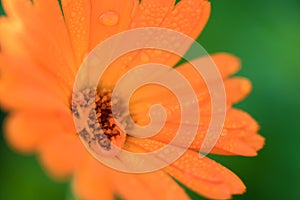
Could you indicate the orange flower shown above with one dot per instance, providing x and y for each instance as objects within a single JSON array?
[{"x": 41, "y": 51}]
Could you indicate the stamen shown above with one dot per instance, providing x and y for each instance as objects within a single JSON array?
[{"x": 100, "y": 130}]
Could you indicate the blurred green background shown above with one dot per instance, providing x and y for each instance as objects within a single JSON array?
[{"x": 266, "y": 36}]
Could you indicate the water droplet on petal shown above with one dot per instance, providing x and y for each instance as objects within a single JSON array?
[{"x": 109, "y": 18}]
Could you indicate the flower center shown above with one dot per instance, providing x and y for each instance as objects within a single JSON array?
[{"x": 96, "y": 123}]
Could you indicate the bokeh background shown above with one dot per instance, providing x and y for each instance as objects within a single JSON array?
[{"x": 266, "y": 36}]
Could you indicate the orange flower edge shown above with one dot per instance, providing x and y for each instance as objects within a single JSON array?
[{"x": 41, "y": 51}]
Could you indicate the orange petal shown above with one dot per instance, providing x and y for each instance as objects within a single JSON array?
[
  {"x": 255, "y": 140},
  {"x": 61, "y": 154},
  {"x": 28, "y": 97},
  {"x": 9, "y": 27},
  {"x": 226, "y": 63},
  {"x": 145, "y": 96},
  {"x": 238, "y": 136},
  {"x": 163, "y": 186},
  {"x": 234, "y": 139},
  {"x": 77, "y": 17},
  {"x": 147, "y": 14},
  {"x": 187, "y": 169},
  {"x": 20, "y": 135},
  {"x": 148, "y": 95},
  {"x": 238, "y": 119},
  {"x": 140, "y": 115},
  {"x": 235, "y": 121},
  {"x": 203, "y": 175},
  {"x": 19, "y": 74},
  {"x": 235, "y": 146},
  {"x": 92, "y": 180},
  {"x": 188, "y": 17},
  {"x": 154, "y": 185},
  {"x": 51, "y": 14},
  {"x": 32, "y": 38},
  {"x": 237, "y": 89},
  {"x": 109, "y": 18},
  {"x": 125, "y": 183},
  {"x": 242, "y": 146},
  {"x": 25, "y": 131},
  {"x": 151, "y": 13}
]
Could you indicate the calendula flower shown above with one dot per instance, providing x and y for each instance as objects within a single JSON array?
[{"x": 42, "y": 48}]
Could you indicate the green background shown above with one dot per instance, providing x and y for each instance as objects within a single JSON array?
[{"x": 265, "y": 35}]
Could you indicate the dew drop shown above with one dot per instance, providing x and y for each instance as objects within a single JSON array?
[{"x": 109, "y": 18}]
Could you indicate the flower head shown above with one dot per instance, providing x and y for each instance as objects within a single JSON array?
[{"x": 42, "y": 48}]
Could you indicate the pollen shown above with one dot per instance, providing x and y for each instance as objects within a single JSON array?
[{"x": 96, "y": 123}]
